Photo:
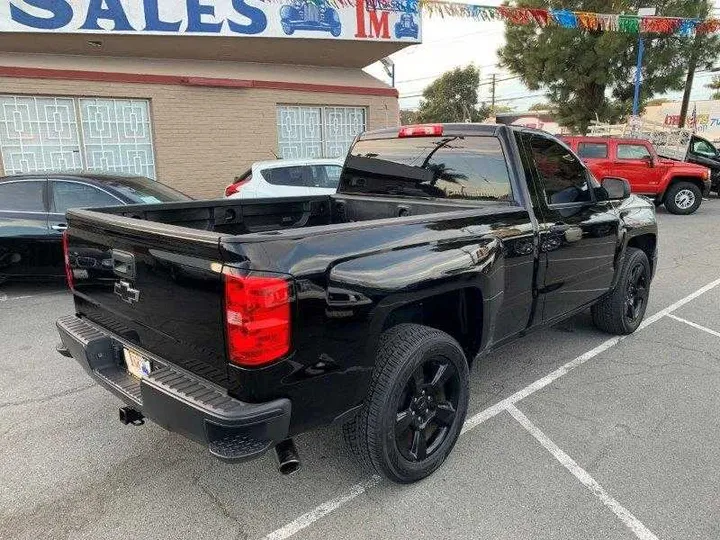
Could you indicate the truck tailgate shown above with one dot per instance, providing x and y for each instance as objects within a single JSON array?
[{"x": 157, "y": 286}]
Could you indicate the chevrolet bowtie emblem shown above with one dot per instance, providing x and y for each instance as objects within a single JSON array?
[{"x": 126, "y": 293}]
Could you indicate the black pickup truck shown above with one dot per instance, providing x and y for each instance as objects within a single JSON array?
[{"x": 243, "y": 323}]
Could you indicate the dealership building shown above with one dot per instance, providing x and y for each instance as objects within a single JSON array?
[{"x": 190, "y": 92}]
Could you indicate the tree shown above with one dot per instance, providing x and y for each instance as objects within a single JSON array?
[
  {"x": 658, "y": 101},
  {"x": 407, "y": 117},
  {"x": 453, "y": 98},
  {"x": 715, "y": 85},
  {"x": 503, "y": 109},
  {"x": 590, "y": 74},
  {"x": 539, "y": 107}
]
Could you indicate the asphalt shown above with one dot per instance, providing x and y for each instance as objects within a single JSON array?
[{"x": 639, "y": 418}]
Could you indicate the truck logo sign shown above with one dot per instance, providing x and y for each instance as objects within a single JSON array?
[{"x": 126, "y": 293}]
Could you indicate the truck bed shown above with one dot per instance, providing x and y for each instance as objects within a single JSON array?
[{"x": 239, "y": 217}]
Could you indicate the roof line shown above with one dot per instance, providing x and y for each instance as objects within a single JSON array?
[{"x": 212, "y": 82}]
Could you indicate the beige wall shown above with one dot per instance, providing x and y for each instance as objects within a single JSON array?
[{"x": 204, "y": 137}]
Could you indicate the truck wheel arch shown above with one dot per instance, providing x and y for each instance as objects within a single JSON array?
[
  {"x": 675, "y": 179},
  {"x": 461, "y": 315}
]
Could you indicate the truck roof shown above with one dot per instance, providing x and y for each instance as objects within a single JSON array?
[{"x": 450, "y": 129}]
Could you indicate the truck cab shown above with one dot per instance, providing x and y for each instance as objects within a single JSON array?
[
  {"x": 703, "y": 152},
  {"x": 678, "y": 185}
]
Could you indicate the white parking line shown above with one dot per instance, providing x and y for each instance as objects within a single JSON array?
[
  {"x": 633, "y": 523},
  {"x": 695, "y": 325},
  {"x": 326, "y": 508},
  {"x": 313, "y": 515}
]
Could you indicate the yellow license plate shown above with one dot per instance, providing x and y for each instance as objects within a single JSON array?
[{"x": 136, "y": 364}]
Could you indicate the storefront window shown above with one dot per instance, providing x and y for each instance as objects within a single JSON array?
[
  {"x": 314, "y": 132},
  {"x": 44, "y": 134}
]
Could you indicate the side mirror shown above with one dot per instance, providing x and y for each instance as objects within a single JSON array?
[
  {"x": 616, "y": 188},
  {"x": 650, "y": 160}
]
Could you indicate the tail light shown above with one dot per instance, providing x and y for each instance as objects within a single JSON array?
[
  {"x": 421, "y": 130},
  {"x": 68, "y": 268},
  {"x": 235, "y": 186},
  {"x": 257, "y": 318}
]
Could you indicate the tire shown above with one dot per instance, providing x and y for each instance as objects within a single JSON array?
[
  {"x": 683, "y": 198},
  {"x": 416, "y": 404},
  {"x": 614, "y": 313}
]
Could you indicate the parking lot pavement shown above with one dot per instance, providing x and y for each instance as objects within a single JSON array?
[{"x": 617, "y": 444}]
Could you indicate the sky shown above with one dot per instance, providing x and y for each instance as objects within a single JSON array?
[{"x": 456, "y": 42}]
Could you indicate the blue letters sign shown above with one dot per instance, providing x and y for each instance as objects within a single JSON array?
[{"x": 300, "y": 18}]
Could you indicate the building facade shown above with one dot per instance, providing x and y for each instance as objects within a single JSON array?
[
  {"x": 189, "y": 93},
  {"x": 702, "y": 116}
]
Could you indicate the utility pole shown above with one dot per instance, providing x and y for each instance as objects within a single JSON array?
[
  {"x": 492, "y": 103},
  {"x": 689, "y": 81},
  {"x": 642, "y": 12},
  {"x": 692, "y": 64}
]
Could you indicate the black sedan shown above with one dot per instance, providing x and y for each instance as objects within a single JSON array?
[{"x": 32, "y": 214}]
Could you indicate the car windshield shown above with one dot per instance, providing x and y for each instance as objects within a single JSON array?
[{"x": 144, "y": 190}]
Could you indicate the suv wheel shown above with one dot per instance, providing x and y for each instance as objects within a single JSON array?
[
  {"x": 416, "y": 404},
  {"x": 622, "y": 311},
  {"x": 683, "y": 198}
]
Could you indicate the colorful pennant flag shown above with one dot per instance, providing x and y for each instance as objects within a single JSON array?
[{"x": 583, "y": 20}]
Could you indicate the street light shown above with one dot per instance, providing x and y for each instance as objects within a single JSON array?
[
  {"x": 389, "y": 67},
  {"x": 642, "y": 12}
]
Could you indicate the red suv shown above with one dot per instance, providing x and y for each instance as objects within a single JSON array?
[{"x": 678, "y": 185}]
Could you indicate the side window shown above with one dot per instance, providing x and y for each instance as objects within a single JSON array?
[
  {"x": 323, "y": 176},
  {"x": 564, "y": 178},
  {"x": 632, "y": 151},
  {"x": 332, "y": 175},
  {"x": 24, "y": 196},
  {"x": 593, "y": 150},
  {"x": 703, "y": 147},
  {"x": 75, "y": 195},
  {"x": 285, "y": 176}
]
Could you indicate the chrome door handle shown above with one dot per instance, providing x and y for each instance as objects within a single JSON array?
[{"x": 59, "y": 227}]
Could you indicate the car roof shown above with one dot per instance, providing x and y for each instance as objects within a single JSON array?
[
  {"x": 88, "y": 176},
  {"x": 297, "y": 162},
  {"x": 600, "y": 139}
]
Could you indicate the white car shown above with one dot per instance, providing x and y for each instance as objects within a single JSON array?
[{"x": 287, "y": 178}]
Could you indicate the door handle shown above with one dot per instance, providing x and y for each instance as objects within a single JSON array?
[
  {"x": 59, "y": 227},
  {"x": 559, "y": 228}
]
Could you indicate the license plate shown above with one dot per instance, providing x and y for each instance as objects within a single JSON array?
[{"x": 136, "y": 364}]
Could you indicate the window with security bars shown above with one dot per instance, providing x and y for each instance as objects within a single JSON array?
[
  {"x": 58, "y": 134},
  {"x": 313, "y": 132}
]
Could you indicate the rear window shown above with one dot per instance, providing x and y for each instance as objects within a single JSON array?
[
  {"x": 592, "y": 150},
  {"x": 144, "y": 190},
  {"x": 471, "y": 168},
  {"x": 319, "y": 176}
]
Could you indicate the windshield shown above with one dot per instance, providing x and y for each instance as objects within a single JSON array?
[
  {"x": 471, "y": 168},
  {"x": 144, "y": 190}
]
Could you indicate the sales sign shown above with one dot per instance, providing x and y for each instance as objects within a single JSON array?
[{"x": 324, "y": 19}]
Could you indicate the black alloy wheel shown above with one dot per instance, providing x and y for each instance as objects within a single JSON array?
[
  {"x": 415, "y": 406},
  {"x": 622, "y": 310},
  {"x": 427, "y": 409},
  {"x": 637, "y": 292}
]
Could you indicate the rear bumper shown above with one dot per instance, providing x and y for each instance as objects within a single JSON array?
[{"x": 177, "y": 400}]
